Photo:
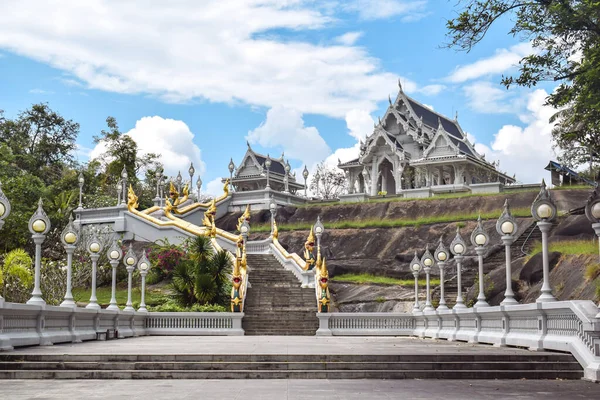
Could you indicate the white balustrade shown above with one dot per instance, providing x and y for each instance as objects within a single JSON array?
[{"x": 194, "y": 323}]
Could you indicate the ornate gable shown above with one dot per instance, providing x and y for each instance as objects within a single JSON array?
[{"x": 441, "y": 144}]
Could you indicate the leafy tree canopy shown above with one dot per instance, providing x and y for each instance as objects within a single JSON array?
[{"x": 565, "y": 36}]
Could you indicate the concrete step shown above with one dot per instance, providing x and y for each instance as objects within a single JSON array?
[{"x": 290, "y": 374}]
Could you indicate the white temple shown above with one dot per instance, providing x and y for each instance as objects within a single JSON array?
[{"x": 417, "y": 152}]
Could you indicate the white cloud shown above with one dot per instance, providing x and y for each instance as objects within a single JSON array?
[
  {"x": 411, "y": 10},
  {"x": 40, "y": 91},
  {"x": 349, "y": 38},
  {"x": 431, "y": 90},
  {"x": 213, "y": 188},
  {"x": 169, "y": 138},
  {"x": 284, "y": 128},
  {"x": 524, "y": 150},
  {"x": 359, "y": 123},
  {"x": 215, "y": 50},
  {"x": 488, "y": 98},
  {"x": 503, "y": 60}
]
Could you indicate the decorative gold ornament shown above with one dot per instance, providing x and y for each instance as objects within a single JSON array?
[
  {"x": 132, "y": 199},
  {"x": 275, "y": 230},
  {"x": 309, "y": 246},
  {"x": 244, "y": 217}
]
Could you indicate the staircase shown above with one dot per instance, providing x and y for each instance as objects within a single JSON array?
[
  {"x": 275, "y": 303},
  {"x": 428, "y": 365}
]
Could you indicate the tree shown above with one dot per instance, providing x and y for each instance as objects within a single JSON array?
[
  {"x": 577, "y": 141},
  {"x": 327, "y": 182},
  {"x": 121, "y": 151},
  {"x": 41, "y": 140},
  {"x": 565, "y": 36}
]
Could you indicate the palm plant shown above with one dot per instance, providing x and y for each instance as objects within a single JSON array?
[{"x": 202, "y": 278}]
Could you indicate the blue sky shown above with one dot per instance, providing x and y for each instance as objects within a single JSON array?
[{"x": 196, "y": 80}]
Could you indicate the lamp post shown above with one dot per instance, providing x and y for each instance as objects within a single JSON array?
[
  {"x": 268, "y": 165},
  {"x": 143, "y": 266},
  {"x": 4, "y": 211},
  {"x": 114, "y": 254},
  {"x": 245, "y": 230},
  {"x": 119, "y": 190},
  {"x": 191, "y": 171},
  {"x": 130, "y": 261},
  {"x": 94, "y": 247},
  {"x": 273, "y": 209},
  {"x": 286, "y": 177},
  {"x": 39, "y": 225},
  {"x": 305, "y": 176},
  {"x": 592, "y": 211},
  {"x": 158, "y": 175},
  {"x": 319, "y": 230},
  {"x": 69, "y": 238},
  {"x": 199, "y": 187},
  {"x": 317, "y": 177},
  {"x": 507, "y": 226},
  {"x": 544, "y": 210},
  {"x": 179, "y": 180},
  {"x": 81, "y": 181},
  {"x": 441, "y": 256},
  {"x": 427, "y": 262},
  {"x": 124, "y": 179},
  {"x": 479, "y": 239},
  {"x": 458, "y": 248},
  {"x": 231, "y": 167},
  {"x": 416, "y": 267}
]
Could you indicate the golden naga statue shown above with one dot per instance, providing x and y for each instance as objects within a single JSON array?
[
  {"x": 322, "y": 276},
  {"x": 244, "y": 217},
  {"x": 132, "y": 199},
  {"x": 209, "y": 219},
  {"x": 275, "y": 230},
  {"x": 174, "y": 200},
  {"x": 226, "y": 188},
  {"x": 309, "y": 256},
  {"x": 239, "y": 271}
]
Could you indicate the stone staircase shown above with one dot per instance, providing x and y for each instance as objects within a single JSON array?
[
  {"x": 275, "y": 303},
  {"x": 290, "y": 366}
]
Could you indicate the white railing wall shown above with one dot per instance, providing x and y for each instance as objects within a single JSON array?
[
  {"x": 194, "y": 323},
  {"x": 259, "y": 246},
  {"x": 569, "y": 326},
  {"x": 30, "y": 325}
]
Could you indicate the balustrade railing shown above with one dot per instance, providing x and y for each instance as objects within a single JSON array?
[{"x": 194, "y": 323}]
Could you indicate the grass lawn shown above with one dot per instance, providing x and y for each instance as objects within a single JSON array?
[
  {"x": 570, "y": 247},
  {"x": 380, "y": 280},
  {"x": 153, "y": 297},
  {"x": 395, "y": 223}
]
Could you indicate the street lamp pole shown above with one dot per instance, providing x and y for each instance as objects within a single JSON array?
[
  {"x": 416, "y": 267},
  {"x": 268, "y": 165},
  {"x": 427, "y": 262},
  {"x": 544, "y": 211},
  {"x": 507, "y": 227},
  {"x": 305, "y": 176},
  {"x": 479, "y": 239},
  {"x": 69, "y": 239},
  {"x": 458, "y": 248},
  {"x": 441, "y": 256}
]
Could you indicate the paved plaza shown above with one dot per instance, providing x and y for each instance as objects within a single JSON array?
[
  {"x": 265, "y": 389},
  {"x": 270, "y": 345},
  {"x": 281, "y": 389}
]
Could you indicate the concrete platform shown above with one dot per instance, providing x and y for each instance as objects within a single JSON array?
[
  {"x": 299, "y": 389},
  {"x": 217, "y": 345}
]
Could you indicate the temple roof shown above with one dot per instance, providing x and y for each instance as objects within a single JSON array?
[{"x": 432, "y": 119}]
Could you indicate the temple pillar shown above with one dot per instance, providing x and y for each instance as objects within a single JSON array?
[
  {"x": 374, "y": 168},
  {"x": 399, "y": 173},
  {"x": 441, "y": 180}
]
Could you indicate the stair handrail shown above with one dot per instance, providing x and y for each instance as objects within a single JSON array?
[{"x": 531, "y": 229}]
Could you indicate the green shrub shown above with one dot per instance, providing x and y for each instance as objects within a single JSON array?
[
  {"x": 592, "y": 271},
  {"x": 174, "y": 307},
  {"x": 16, "y": 276}
]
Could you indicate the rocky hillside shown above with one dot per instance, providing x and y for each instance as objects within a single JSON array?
[{"x": 388, "y": 251}]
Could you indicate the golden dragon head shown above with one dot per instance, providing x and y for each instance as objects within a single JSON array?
[
  {"x": 132, "y": 199},
  {"x": 310, "y": 241}
]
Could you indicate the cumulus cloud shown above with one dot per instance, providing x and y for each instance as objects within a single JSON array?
[
  {"x": 171, "y": 139},
  {"x": 488, "y": 98},
  {"x": 410, "y": 10},
  {"x": 284, "y": 128},
  {"x": 432, "y": 90},
  {"x": 359, "y": 123},
  {"x": 349, "y": 38},
  {"x": 524, "y": 150},
  {"x": 213, "y": 188},
  {"x": 215, "y": 50},
  {"x": 502, "y": 60}
]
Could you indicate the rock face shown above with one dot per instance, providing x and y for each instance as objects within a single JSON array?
[{"x": 388, "y": 251}]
